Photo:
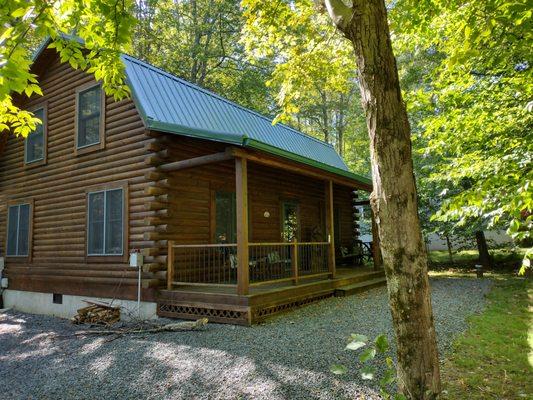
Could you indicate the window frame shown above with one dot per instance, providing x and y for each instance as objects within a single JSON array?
[
  {"x": 296, "y": 203},
  {"x": 79, "y": 150},
  {"x": 215, "y": 187},
  {"x": 214, "y": 217},
  {"x": 19, "y": 202},
  {"x": 125, "y": 223},
  {"x": 44, "y": 159}
]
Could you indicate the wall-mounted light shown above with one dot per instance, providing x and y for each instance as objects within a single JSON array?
[{"x": 266, "y": 214}]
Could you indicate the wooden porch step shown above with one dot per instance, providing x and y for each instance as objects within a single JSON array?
[
  {"x": 359, "y": 287},
  {"x": 363, "y": 277}
]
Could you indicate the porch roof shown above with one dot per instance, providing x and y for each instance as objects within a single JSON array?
[{"x": 170, "y": 104}]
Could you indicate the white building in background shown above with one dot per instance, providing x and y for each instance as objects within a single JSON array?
[{"x": 435, "y": 242}]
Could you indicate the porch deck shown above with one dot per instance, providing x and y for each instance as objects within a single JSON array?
[{"x": 221, "y": 303}]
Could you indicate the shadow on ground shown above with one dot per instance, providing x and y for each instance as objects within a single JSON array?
[{"x": 288, "y": 357}]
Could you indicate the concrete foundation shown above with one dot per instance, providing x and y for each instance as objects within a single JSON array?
[{"x": 42, "y": 303}]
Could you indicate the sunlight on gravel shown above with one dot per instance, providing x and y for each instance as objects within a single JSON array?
[{"x": 287, "y": 357}]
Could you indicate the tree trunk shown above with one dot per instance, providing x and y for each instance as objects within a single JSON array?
[
  {"x": 450, "y": 250},
  {"x": 483, "y": 250},
  {"x": 394, "y": 200}
]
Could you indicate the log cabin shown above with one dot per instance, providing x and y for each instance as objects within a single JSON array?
[{"x": 235, "y": 218}]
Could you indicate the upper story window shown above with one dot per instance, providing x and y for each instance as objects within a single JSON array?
[
  {"x": 35, "y": 143},
  {"x": 105, "y": 222},
  {"x": 89, "y": 116},
  {"x": 18, "y": 230}
]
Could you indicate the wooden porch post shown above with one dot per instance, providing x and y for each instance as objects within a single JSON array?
[
  {"x": 241, "y": 189},
  {"x": 329, "y": 227},
  {"x": 376, "y": 252},
  {"x": 170, "y": 264}
]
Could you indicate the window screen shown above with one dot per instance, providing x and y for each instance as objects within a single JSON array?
[
  {"x": 226, "y": 217},
  {"x": 105, "y": 222},
  {"x": 89, "y": 109},
  {"x": 18, "y": 229},
  {"x": 34, "y": 143}
]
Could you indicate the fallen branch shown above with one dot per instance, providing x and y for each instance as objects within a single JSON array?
[{"x": 175, "y": 327}]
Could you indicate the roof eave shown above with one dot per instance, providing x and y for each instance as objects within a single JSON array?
[
  {"x": 257, "y": 145},
  {"x": 193, "y": 132}
]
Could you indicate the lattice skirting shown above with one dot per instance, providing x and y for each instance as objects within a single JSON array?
[
  {"x": 260, "y": 313},
  {"x": 222, "y": 313},
  {"x": 215, "y": 314}
]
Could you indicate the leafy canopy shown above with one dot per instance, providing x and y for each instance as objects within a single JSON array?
[
  {"x": 472, "y": 110},
  {"x": 103, "y": 26}
]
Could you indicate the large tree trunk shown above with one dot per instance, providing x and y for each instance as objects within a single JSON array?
[
  {"x": 394, "y": 200},
  {"x": 483, "y": 250}
]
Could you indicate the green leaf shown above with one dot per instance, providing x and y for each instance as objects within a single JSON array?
[
  {"x": 367, "y": 355},
  {"x": 367, "y": 373},
  {"x": 388, "y": 377},
  {"x": 338, "y": 369},
  {"x": 382, "y": 344},
  {"x": 19, "y": 12}
]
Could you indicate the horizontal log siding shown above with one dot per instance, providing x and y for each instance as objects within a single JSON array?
[
  {"x": 58, "y": 189},
  {"x": 191, "y": 221}
]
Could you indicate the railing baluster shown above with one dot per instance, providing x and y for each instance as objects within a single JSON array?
[{"x": 212, "y": 264}]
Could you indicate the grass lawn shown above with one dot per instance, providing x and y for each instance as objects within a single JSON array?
[
  {"x": 494, "y": 358},
  {"x": 468, "y": 256}
]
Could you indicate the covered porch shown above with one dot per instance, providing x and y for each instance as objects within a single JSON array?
[{"x": 252, "y": 276}]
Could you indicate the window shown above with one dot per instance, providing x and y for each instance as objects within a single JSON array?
[
  {"x": 105, "y": 222},
  {"x": 89, "y": 117},
  {"x": 290, "y": 224},
  {"x": 18, "y": 230},
  {"x": 34, "y": 145},
  {"x": 226, "y": 217}
]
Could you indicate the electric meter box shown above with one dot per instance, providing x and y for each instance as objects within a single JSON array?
[{"x": 136, "y": 260}]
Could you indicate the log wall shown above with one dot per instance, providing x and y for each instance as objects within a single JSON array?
[
  {"x": 58, "y": 191},
  {"x": 161, "y": 206}
]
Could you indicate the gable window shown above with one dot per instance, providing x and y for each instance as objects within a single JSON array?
[
  {"x": 226, "y": 217},
  {"x": 18, "y": 230},
  {"x": 89, "y": 121},
  {"x": 34, "y": 144},
  {"x": 290, "y": 221},
  {"x": 105, "y": 222}
]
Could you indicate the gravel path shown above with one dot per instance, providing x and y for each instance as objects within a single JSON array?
[{"x": 288, "y": 357}]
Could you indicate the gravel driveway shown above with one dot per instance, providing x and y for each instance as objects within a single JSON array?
[{"x": 288, "y": 357}]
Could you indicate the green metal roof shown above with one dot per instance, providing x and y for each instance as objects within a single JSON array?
[{"x": 170, "y": 104}]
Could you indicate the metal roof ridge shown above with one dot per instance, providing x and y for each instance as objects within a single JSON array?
[{"x": 219, "y": 97}]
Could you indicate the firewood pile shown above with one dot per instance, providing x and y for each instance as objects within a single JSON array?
[{"x": 97, "y": 314}]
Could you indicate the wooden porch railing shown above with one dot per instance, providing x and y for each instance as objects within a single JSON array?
[{"x": 217, "y": 264}]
